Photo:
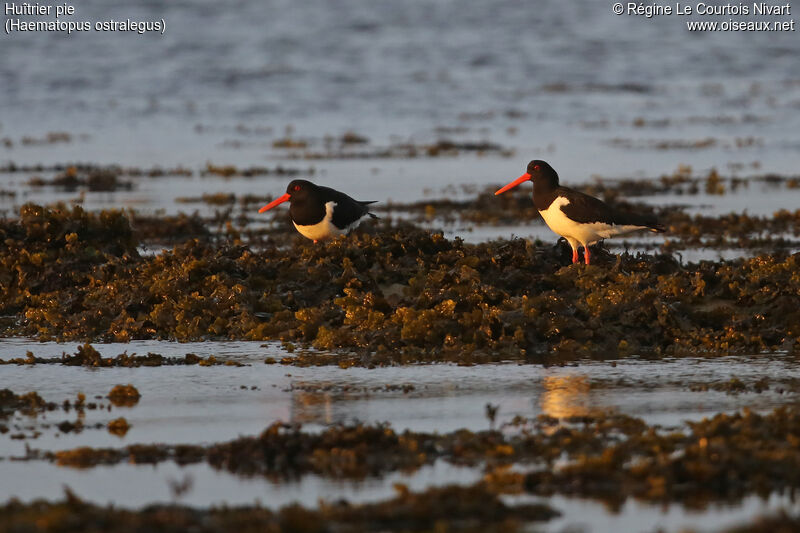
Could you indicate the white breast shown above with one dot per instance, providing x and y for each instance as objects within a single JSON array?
[{"x": 323, "y": 229}]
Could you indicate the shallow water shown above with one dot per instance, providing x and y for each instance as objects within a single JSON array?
[
  {"x": 136, "y": 485},
  {"x": 588, "y": 516},
  {"x": 757, "y": 199},
  {"x": 582, "y": 87},
  {"x": 212, "y": 404},
  {"x": 123, "y": 485},
  {"x": 204, "y": 405}
]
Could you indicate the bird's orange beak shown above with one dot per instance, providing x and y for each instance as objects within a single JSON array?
[
  {"x": 525, "y": 177},
  {"x": 276, "y": 201}
]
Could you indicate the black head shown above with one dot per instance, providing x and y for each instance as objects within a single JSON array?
[
  {"x": 297, "y": 192},
  {"x": 541, "y": 171},
  {"x": 300, "y": 189},
  {"x": 542, "y": 175}
]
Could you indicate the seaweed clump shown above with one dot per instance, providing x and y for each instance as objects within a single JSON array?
[
  {"x": 355, "y": 451},
  {"x": 88, "y": 356},
  {"x": 29, "y": 403},
  {"x": 99, "y": 180},
  {"x": 51, "y": 251},
  {"x": 606, "y": 457},
  {"x": 452, "y": 508},
  {"x": 350, "y": 451},
  {"x": 723, "y": 458},
  {"x": 119, "y": 427},
  {"x": 124, "y": 395},
  {"x": 169, "y": 228},
  {"x": 403, "y": 296}
]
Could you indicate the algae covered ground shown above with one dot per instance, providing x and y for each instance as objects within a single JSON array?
[
  {"x": 400, "y": 295},
  {"x": 396, "y": 296}
]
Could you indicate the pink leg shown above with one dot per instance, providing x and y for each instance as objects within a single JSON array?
[
  {"x": 315, "y": 241},
  {"x": 574, "y": 256},
  {"x": 586, "y": 254}
]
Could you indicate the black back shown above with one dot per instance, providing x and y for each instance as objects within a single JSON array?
[{"x": 587, "y": 209}]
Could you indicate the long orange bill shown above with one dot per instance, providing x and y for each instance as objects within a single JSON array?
[
  {"x": 276, "y": 201},
  {"x": 525, "y": 177}
]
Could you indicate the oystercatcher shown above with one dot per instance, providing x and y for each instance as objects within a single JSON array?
[
  {"x": 320, "y": 212},
  {"x": 578, "y": 217}
]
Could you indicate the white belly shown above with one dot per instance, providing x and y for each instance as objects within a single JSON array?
[
  {"x": 585, "y": 234},
  {"x": 323, "y": 229},
  {"x": 318, "y": 232}
]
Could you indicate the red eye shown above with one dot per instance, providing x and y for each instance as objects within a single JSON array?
[
  {"x": 535, "y": 167},
  {"x": 297, "y": 187}
]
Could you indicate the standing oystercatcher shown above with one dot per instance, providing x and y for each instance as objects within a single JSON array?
[
  {"x": 578, "y": 217},
  {"x": 319, "y": 212}
]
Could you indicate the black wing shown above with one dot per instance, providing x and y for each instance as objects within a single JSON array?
[
  {"x": 587, "y": 209},
  {"x": 347, "y": 209}
]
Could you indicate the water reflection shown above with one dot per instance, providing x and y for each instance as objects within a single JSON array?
[
  {"x": 311, "y": 407},
  {"x": 566, "y": 396}
]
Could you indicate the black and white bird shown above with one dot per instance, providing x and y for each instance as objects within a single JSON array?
[
  {"x": 319, "y": 212},
  {"x": 579, "y": 218}
]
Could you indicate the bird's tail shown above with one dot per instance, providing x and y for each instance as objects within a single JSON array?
[
  {"x": 648, "y": 221},
  {"x": 369, "y": 202}
]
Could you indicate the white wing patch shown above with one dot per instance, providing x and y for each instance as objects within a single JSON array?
[
  {"x": 584, "y": 233},
  {"x": 323, "y": 229}
]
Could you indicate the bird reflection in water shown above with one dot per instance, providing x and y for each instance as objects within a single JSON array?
[
  {"x": 312, "y": 407},
  {"x": 566, "y": 396}
]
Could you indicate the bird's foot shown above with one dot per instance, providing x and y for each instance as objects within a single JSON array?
[
  {"x": 574, "y": 256},
  {"x": 586, "y": 254}
]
